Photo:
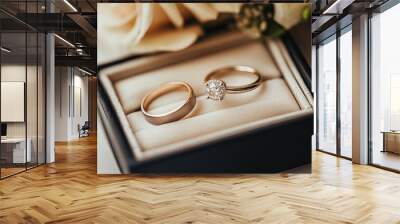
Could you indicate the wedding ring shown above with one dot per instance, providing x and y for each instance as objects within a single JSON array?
[
  {"x": 173, "y": 115},
  {"x": 216, "y": 88}
]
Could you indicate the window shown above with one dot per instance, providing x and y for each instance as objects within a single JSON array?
[
  {"x": 22, "y": 75},
  {"x": 335, "y": 74},
  {"x": 345, "y": 94},
  {"x": 385, "y": 89},
  {"x": 326, "y": 97}
]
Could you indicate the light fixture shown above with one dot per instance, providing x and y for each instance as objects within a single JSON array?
[
  {"x": 84, "y": 71},
  {"x": 70, "y": 5},
  {"x": 81, "y": 52},
  {"x": 337, "y": 7},
  {"x": 5, "y": 50},
  {"x": 64, "y": 40}
]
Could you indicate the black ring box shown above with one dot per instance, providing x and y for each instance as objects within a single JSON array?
[{"x": 276, "y": 148}]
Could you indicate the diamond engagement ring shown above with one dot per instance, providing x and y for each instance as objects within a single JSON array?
[
  {"x": 216, "y": 88},
  {"x": 176, "y": 114}
]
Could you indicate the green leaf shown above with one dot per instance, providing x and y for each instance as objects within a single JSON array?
[
  {"x": 306, "y": 14},
  {"x": 274, "y": 29}
]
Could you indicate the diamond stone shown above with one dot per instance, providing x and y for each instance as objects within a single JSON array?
[{"x": 215, "y": 89}]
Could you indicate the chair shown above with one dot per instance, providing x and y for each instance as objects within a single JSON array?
[{"x": 84, "y": 129}]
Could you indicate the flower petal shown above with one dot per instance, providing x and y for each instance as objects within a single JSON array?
[
  {"x": 172, "y": 11},
  {"x": 168, "y": 40},
  {"x": 116, "y": 15},
  {"x": 288, "y": 14},
  {"x": 142, "y": 23},
  {"x": 202, "y": 11},
  {"x": 227, "y": 7}
]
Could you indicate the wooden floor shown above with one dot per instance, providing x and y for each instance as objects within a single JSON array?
[
  {"x": 9, "y": 171},
  {"x": 5, "y": 172},
  {"x": 69, "y": 191},
  {"x": 387, "y": 159}
]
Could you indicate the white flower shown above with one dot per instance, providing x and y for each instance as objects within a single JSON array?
[
  {"x": 132, "y": 28},
  {"x": 289, "y": 14}
]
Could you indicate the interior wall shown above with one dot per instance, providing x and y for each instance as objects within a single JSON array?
[
  {"x": 80, "y": 102},
  {"x": 50, "y": 85},
  {"x": 71, "y": 102},
  {"x": 92, "y": 97},
  {"x": 17, "y": 73},
  {"x": 61, "y": 103},
  {"x": 314, "y": 90},
  {"x": 360, "y": 90}
]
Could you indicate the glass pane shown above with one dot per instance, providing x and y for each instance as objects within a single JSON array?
[
  {"x": 41, "y": 99},
  {"x": 13, "y": 86},
  {"x": 346, "y": 94},
  {"x": 32, "y": 96},
  {"x": 32, "y": 88},
  {"x": 385, "y": 84},
  {"x": 327, "y": 97}
]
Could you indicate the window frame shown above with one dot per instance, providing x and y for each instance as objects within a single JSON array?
[
  {"x": 378, "y": 10},
  {"x": 25, "y": 30},
  {"x": 334, "y": 37}
]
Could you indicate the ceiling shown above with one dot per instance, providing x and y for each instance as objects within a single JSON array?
[
  {"x": 332, "y": 15},
  {"x": 74, "y": 22}
]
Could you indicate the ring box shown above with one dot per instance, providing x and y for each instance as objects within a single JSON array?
[{"x": 263, "y": 131}]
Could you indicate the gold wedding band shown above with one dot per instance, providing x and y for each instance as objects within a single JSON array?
[
  {"x": 173, "y": 115},
  {"x": 216, "y": 88}
]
